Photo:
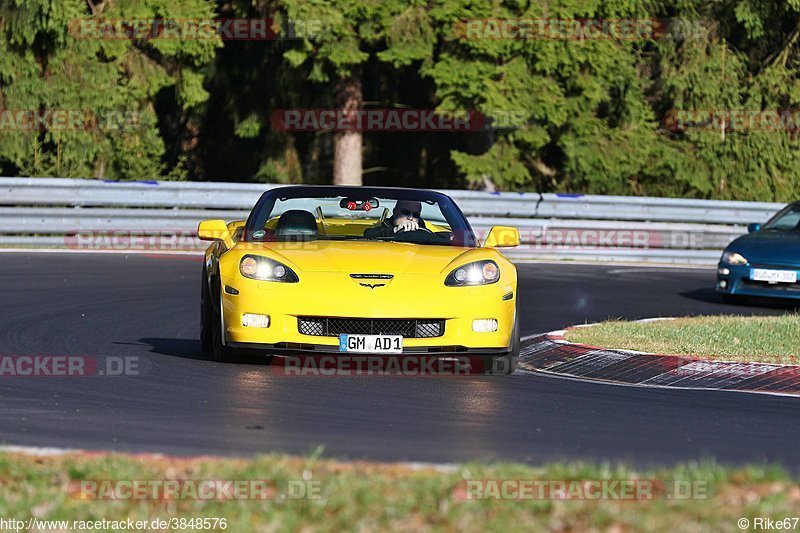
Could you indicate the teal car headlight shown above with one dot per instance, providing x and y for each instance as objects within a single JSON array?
[
  {"x": 475, "y": 273},
  {"x": 266, "y": 269},
  {"x": 733, "y": 258}
]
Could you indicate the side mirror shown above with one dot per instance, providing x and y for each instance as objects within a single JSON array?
[
  {"x": 502, "y": 237},
  {"x": 753, "y": 228},
  {"x": 214, "y": 230}
]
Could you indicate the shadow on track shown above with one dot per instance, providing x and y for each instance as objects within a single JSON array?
[
  {"x": 184, "y": 348},
  {"x": 711, "y": 296},
  {"x": 190, "y": 349}
]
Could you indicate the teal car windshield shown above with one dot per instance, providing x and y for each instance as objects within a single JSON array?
[{"x": 786, "y": 220}]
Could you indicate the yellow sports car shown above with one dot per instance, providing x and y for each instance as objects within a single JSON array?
[{"x": 359, "y": 270}]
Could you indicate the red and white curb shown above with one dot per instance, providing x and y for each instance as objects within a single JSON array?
[{"x": 553, "y": 354}]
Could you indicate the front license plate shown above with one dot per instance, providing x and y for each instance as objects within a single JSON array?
[
  {"x": 773, "y": 276},
  {"x": 371, "y": 343}
]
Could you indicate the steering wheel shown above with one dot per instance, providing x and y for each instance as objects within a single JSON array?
[{"x": 421, "y": 235}]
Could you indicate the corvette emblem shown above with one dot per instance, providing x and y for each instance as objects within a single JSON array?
[{"x": 372, "y": 285}]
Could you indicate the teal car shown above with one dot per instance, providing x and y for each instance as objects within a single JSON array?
[{"x": 764, "y": 262}]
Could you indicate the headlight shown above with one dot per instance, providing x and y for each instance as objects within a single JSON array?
[
  {"x": 476, "y": 273},
  {"x": 732, "y": 258},
  {"x": 266, "y": 269}
]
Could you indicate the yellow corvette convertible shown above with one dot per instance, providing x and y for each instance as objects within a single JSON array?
[{"x": 359, "y": 270}]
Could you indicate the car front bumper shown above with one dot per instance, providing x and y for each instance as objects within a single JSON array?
[
  {"x": 736, "y": 281},
  {"x": 403, "y": 299}
]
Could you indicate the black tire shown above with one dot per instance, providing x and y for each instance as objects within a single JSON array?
[
  {"x": 505, "y": 364},
  {"x": 206, "y": 317},
  {"x": 221, "y": 353}
]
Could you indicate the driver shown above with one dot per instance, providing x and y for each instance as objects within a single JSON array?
[{"x": 405, "y": 217}]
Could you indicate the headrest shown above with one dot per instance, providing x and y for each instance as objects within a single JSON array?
[{"x": 297, "y": 223}]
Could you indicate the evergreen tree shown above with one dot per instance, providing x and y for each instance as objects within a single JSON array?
[{"x": 51, "y": 65}]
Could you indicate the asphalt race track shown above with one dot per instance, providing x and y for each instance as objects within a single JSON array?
[{"x": 181, "y": 403}]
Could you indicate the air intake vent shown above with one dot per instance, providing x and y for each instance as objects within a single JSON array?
[{"x": 333, "y": 327}]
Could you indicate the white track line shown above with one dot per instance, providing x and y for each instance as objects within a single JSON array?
[
  {"x": 553, "y": 375},
  {"x": 531, "y": 336},
  {"x": 38, "y": 451}
]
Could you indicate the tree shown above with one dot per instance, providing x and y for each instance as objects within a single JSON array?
[
  {"x": 354, "y": 33},
  {"x": 347, "y": 155},
  {"x": 740, "y": 70},
  {"x": 595, "y": 109},
  {"x": 56, "y": 64},
  {"x": 566, "y": 113}
]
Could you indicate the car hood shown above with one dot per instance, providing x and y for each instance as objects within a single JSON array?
[
  {"x": 363, "y": 256},
  {"x": 769, "y": 247}
]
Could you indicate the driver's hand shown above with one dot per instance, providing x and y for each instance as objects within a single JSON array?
[{"x": 407, "y": 225}]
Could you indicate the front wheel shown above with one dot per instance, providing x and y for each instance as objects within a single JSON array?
[
  {"x": 220, "y": 352},
  {"x": 206, "y": 317}
]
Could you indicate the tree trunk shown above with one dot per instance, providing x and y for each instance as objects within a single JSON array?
[
  {"x": 99, "y": 168},
  {"x": 347, "y": 164}
]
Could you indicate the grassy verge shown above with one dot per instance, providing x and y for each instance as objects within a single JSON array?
[
  {"x": 369, "y": 497},
  {"x": 774, "y": 339}
]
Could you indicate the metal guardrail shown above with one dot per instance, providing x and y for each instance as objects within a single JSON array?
[{"x": 97, "y": 214}]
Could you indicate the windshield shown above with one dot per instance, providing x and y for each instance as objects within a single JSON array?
[
  {"x": 786, "y": 220},
  {"x": 311, "y": 214}
]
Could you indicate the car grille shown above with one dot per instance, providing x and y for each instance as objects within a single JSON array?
[
  {"x": 333, "y": 327},
  {"x": 777, "y": 287}
]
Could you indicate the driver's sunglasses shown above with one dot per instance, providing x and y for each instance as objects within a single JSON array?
[{"x": 409, "y": 213}]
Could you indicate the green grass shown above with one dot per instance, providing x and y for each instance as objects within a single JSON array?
[
  {"x": 774, "y": 339},
  {"x": 372, "y": 497}
]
